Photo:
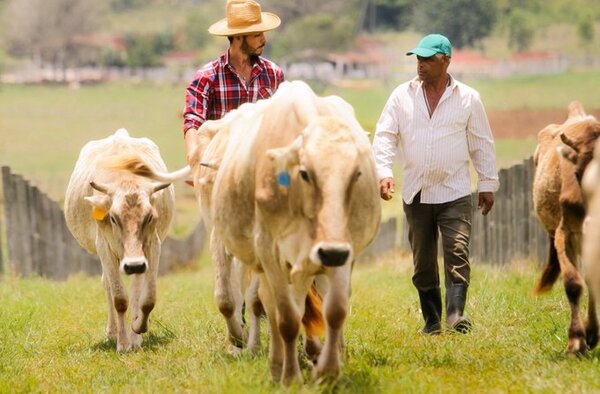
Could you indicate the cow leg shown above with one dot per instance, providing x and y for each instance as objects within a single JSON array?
[
  {"x": 224, "y": 296},
  {"x": 276, "y": 342},
  {"x": 255, "y": 310},
  {"x": 336, "y": 305},
  {"x": 146, "y": 289},
  {"x": 135, "y": 293},
  {"x": 119, "y": 300},
  {"x": 591, "y": 327},
  {"x": 566, "y": 249},
  {"x": 111, "y": 326}
]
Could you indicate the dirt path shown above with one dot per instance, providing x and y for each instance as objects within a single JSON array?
[{"x": 526, "y": 123}]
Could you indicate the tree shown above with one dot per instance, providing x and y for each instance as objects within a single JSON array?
[
  {"x": 520, "y": 30},
  {"x": 585, "y": 30},
  {"x": 320, "y": 33},
  {"x": 385, "y": 14},
  {"x": 464, "y": 22},
  {"x": 50, "y": 30}
]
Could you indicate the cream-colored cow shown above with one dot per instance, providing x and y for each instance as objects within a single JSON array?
[
  {"x": 296, "y": 195},
  {"x": 123, "y": 219}
]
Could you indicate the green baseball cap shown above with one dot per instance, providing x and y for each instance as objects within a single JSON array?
[{"x": 432, "y": 44}]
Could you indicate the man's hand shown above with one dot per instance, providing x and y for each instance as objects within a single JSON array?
[
  {"x": 386, "y": 188},
  {"x": 486, "y": 201},
  {"x": 191, "y": 143}
]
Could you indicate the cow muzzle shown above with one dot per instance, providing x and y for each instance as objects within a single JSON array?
[
  {"x": 134, "y": 265},
  {"x": 331, "y": 254}
]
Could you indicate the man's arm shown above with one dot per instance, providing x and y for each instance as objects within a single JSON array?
[
  {"x": 483, "y": 156},
  {"x": 385, "y": 144},
  {"x": 191, "y": 143}
]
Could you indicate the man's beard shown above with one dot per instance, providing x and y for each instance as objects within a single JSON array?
[{"x": 248, "y": 50}]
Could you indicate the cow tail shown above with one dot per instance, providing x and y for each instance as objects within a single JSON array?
[
  {"x": 551, "y": 272},
  {"x": 313, "y": 320}
]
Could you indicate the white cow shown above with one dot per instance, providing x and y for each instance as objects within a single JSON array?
[
  {"x": 122, "y": 218},
  {"x": 296, "y": 195}
]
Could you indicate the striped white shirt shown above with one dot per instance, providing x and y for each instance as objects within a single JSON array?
[{"x": 436, "y": 150}]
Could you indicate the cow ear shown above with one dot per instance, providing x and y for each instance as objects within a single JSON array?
[
  {"x": 286, "y": 157},
  {"x": 100, "y": 206}
]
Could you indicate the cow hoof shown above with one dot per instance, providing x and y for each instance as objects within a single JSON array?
[
  {"x": 287, "y": 381},
  {"x": 140, "y": 324},
  {"x": 276, "y": 370},
  {"x": 136, "y": 341},
  {"x": 111, "y": 334},
  {"x": 325, "y": 377},
  {"x": 123, "y": 347},
  {"x": 577, "y": 347},
  {"x": 235, "y": 351}
]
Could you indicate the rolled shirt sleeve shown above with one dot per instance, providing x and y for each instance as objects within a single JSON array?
[
  {"x": 385, "y": 142},
  {"x": 481, "y": 147}
]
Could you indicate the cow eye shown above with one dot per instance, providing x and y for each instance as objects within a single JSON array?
[
  {"x": 147, "y": 220},
  {"x": 304, "y": 176},
  {"x": 114, "y": 220},
  {"x": 357, "y": 175}
]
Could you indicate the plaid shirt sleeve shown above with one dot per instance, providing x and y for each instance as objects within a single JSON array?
[{"x": 197, "y": 96}]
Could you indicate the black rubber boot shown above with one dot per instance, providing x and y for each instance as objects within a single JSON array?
[
  {"x": 431, "y": 306},
  {"x": 456, "y": 296}
]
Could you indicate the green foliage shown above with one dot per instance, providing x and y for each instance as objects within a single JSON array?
[
  {"x": 585, "y": 29},
  {"x": 320, "y": 33},
  {"x": 195, "y": 28},
  {"x": 146, "y": 51},
  {"x": 52, "y": 339},
  {"x": 464, "y": 22},
  {"x": 520, "y": 30}
]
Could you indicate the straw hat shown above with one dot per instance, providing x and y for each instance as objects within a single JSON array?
[{"x": 243, "y": 17}]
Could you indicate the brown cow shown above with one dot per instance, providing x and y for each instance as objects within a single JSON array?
[{"x": 560, "y": 207}]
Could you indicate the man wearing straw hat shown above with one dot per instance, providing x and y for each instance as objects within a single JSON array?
[{"x": 239, "y": 76}]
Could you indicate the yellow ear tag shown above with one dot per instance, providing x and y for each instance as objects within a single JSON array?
[{"x": 98, "y": 213}]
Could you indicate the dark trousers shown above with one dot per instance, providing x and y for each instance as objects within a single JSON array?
[{"x": 453, "y": 219}]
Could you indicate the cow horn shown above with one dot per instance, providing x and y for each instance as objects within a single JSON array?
[
  {"x": 100, "y": 188},
  {"x": 159, "y": 187},
  {"x": 575, "y": 109}
]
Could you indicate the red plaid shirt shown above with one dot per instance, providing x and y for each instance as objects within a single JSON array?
[{"x": 217, "y": 89}]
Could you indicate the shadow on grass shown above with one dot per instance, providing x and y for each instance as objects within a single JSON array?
[{"x": 152, "y": 341}]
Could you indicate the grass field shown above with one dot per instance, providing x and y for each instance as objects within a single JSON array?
[{"x": 52, "y": 340}]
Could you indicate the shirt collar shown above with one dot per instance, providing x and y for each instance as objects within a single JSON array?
[
  {"x": 256, "y": 67},
  {"x": 415, "y": 83}
]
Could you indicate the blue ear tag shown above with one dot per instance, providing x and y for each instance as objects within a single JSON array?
[{"x": 283, "y": 178}]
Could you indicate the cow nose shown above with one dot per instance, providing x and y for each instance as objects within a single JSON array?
[
  {"x": 134, "y": 266},
  {"x": 333, "y": 257}
]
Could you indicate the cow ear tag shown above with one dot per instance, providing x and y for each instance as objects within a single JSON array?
[
  {"x": 283, "y": 178},
  {"x": 99, "y": 213}
]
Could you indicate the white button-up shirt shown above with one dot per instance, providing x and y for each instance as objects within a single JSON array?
[{"x": 436, "y": 150}]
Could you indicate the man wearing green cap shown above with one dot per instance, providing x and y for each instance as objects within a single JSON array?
[{"x": 440, "y": 124}]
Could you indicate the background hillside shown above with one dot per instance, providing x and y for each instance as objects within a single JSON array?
[{"x": 139, "y": 33}]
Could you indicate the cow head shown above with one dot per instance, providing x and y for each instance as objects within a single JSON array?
[
  {"x": 127, "y": 219},
  {"x": 323, "y": 166},
  {"x": 579, "y": 139}
]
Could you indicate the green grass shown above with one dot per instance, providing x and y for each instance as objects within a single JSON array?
[{"x": 52, "y": 339}]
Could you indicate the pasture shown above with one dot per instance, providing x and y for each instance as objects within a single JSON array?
[
  {"x": 51, "y": 334},
  {"x": 52, "y": 339}
]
